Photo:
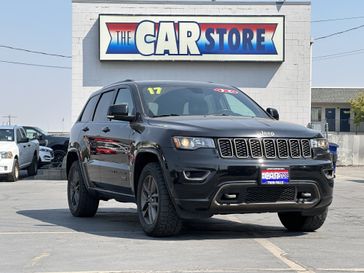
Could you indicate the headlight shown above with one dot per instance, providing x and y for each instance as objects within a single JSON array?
[
  {"x": 193, "y": 143},
  {"x": 6, "y": 154},
  {"x": 44, "y": 150},
  {"x": 320, "y": 143}
]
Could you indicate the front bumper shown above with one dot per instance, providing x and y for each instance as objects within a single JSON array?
[
  {"x": 6, "y": 166},
  {"x": 233, "y": 185}
]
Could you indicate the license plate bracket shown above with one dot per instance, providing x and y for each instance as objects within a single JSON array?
[{"x": 274, "y": 176}]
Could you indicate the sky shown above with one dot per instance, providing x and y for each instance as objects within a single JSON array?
[{"x": 42, "y": 96}]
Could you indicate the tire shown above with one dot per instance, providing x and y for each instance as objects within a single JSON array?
[
  {"x": 58, "y": 158},
  {"x": 80, "y": 202},
  {"x": 156, "y": 211},
  {"x": 295, "y": 221},
  {"x": 33, "y": 168},
  {"x": 14, "y": 175}
]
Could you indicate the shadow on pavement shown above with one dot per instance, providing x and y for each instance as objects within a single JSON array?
[
  {"x": 124, "y": 223},
  {"x": 357, "y": 180}
]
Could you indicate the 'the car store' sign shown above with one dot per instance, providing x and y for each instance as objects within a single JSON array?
[{"x": 192, "y": 38}]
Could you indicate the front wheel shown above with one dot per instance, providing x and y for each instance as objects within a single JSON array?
[
  {"x": 14, "y": 175},
  {"x": 33, "y": 168},
  {"x": 80, "y": 202},
  {"x": 295, "y": 221},
  {"x": 156, "y": 211}
]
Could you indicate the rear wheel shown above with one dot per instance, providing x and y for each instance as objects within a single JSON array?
[
  {"x": 14, "y": 175},
  {"x": 156, "y": 211},
  {"x": 80, "y": 202},
  {"x": 33, "y": 168},
  {"x": 295, "y": 221}
]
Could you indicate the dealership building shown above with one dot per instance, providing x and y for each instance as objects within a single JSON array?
[{"x": 261, "y": 47}]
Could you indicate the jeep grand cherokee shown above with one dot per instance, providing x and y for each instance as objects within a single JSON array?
[{"x": 184, "y": 150}]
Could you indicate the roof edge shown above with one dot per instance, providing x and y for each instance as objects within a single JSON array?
[{"x": 294, "y": 3}]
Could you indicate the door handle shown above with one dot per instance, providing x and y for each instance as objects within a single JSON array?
[
  {"x": 24, "y": 146},
  {"x": 106, "y": 129},
  {"x": 28, "y": 145},
  {"x": 85, "y": 129}
]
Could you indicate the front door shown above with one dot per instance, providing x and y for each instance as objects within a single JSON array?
[
  {"x": 330, "y": 116},
  {"x": 345, "y": 120}
]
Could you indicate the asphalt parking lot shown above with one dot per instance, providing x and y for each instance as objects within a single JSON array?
[{"x": 38, "y": 234}]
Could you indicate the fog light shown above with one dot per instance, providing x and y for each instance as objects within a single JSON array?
[{"x": 196, "y": 175}]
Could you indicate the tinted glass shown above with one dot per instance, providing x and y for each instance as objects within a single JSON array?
[
  {"x": 31, "y": 133},
  {"x": 89, "y": 109},
  {"x": 6, "y": 135},
  {"x": 124, "y": 96},
  {"x": 103, "y": 106},
  {"x": 198, "y": 99}
]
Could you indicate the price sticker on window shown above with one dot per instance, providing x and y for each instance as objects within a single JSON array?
[{"x": 155, "y": 90}]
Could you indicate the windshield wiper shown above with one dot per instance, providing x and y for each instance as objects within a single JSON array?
[{"x": 166, "y": 115}]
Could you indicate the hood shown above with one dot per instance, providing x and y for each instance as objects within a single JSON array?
[
  {"x": 7, "y": 146},
  {"x": 231, "y": 126}
]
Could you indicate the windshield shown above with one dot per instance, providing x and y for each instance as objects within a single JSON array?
[
  {"x": 6, "y": 135},
  {"x": 183, "y": 100}
]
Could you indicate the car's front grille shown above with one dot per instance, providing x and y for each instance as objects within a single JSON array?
[{"x": 264, "y": 148}]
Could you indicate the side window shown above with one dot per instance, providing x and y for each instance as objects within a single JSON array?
[
  {"x": 31, "y": 133},
  {"x": 103, "y": 106},
  {"x": 125, "y": 96},
  {"x": 89, "y": 109}
]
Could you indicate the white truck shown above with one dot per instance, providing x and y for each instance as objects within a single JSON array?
[{"x": 17, "y": 152}]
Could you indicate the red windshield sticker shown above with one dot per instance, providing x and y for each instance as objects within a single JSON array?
[{"x": 223, "y": 90}]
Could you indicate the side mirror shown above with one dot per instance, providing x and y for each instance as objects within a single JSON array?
[
  {"x": 273, "y": 113},
  {"x": 119, "y": 112}
]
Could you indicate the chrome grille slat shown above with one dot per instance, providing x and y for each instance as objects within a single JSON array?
[
  {"x": 294, "y": 148},
  {"x": 282, "y": 145},
  {"x": 256, "y": 150},
  {"x": 306, "y": 148},
  {"x": 225, "y": 147},
  {"x": 269, "y": 148},
  {"x": 241, "y": 148}
]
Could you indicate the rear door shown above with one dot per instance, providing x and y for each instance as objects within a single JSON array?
[
  {"x": 98, "y": 142},
  {"x": 82, "y": 133}
]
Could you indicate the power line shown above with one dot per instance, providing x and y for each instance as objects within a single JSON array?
[
  {"x": 338, "y": 56},
  {"x": 337, "y": 19},
  {"x": 37, "y": 65},
  {"x": 339, "y": 53},
  {"x": 338, "y": 33},
  {"x": 35, "y": 52}
]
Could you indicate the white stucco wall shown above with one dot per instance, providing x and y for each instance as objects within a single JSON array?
[{"x": 285, "y": 86}]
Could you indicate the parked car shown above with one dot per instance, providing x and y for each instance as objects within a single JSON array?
[
  {"x": 184, "y": 150},
  {"x": 17, "y": 152},
  {"x": 46, "y": 155},
  {"x": 58, "y": 144}
]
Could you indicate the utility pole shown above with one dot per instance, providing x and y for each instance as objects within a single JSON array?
[{"x": 9, "y": 117}]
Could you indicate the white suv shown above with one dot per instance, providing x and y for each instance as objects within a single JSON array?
[{"x": 17, "y": 152}]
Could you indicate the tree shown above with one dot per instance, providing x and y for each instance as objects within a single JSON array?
[{"x": 357, "y": 106}]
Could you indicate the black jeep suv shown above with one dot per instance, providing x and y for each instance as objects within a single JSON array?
[{"x": 183, "y": 150}]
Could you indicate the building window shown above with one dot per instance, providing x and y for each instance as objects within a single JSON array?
[{"x": 316, "y": 114}]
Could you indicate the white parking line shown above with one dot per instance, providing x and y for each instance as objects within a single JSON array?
[
  {"x": 341, "y": 269},
  {"x": 276, "y": 251},
  {"x": 38, "y": 258},
  {"x": 281, "y": 255},
  {"x": 217, "y": 270}
]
